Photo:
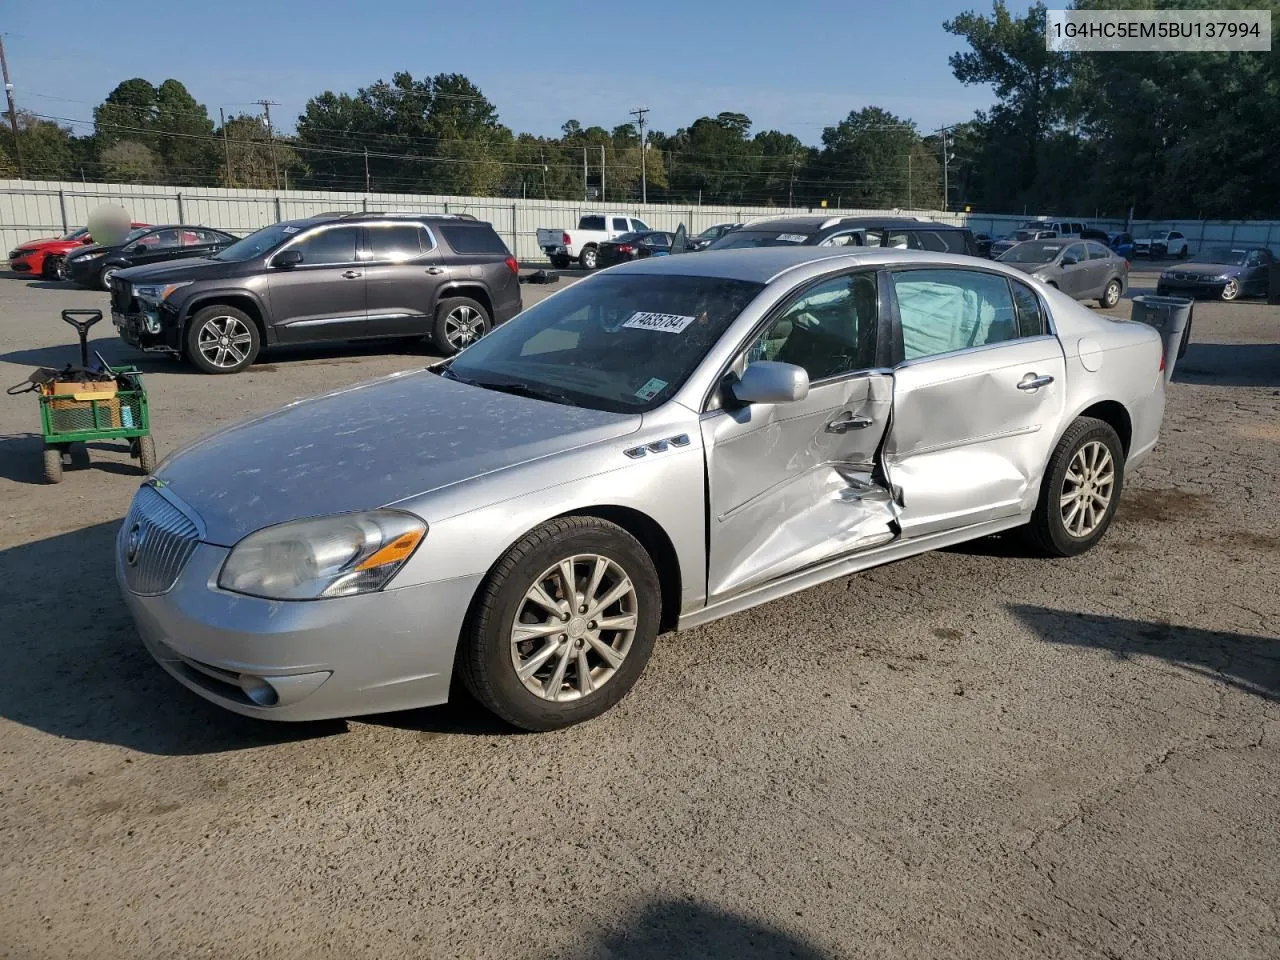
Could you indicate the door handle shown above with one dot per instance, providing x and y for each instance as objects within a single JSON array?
[
  {"x": 353, "y": 274},
  {"x": 1032, "y": 382},
  {"x": 436, "y": 271},
  {"x": 847, "y": 421}
]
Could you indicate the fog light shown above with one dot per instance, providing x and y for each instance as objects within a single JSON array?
[
  {"x": 258, "y": 690},
  {"x": 152, "y": 323}
]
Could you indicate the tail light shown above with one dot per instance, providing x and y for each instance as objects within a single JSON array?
[
  {"x": 564, "y": 238},
  {"x": 625, "y": 248},
  {"x": 512, "y": 265},
  {"x": 1128, "y": 265}
]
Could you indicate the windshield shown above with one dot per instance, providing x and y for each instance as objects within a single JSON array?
[
  {"x": 77, "y": 234},
  {"x": 1032, "y": 252},
  {"x": 134, "y": 234},
  {"x": 256, "y": 244},
  {"x": 624, "y": 343},
  {"x": 738, "y": 239},
  {"x": 1233, "y": 255},
  {"x": 627, "y": 237}
]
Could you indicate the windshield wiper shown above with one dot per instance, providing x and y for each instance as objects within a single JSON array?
[{"x": 520, "y": 389}]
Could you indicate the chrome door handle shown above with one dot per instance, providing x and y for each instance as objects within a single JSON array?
[
  {"x": 436, "y": 271},
  {"x": 353, "y": 274},
  {"x": 1032, "y": 382},
  {"x": 847, "y": 421}
]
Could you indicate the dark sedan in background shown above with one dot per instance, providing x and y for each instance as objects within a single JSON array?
[
  {"x": 710, "y": 235},
  {"x": 95, "y": 265},
  {"x": 1227, "y": 272},
  {"x": 1083, "y": 269},
  {"x": 634, "y": 246}
]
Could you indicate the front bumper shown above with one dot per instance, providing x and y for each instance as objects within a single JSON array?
[
  {"x": 84, "y": 272},
  {"x": 1190, "y": 288},
  {"x": 31, "y": 263},
  {"x": 310, "y": 660},
  {"x": 133, "y": 329}
]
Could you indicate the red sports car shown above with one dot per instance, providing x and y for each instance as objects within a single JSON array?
[{"x": 44, "y": 257}]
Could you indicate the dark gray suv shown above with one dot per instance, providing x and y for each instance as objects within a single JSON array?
[{"x": 335, "y": 277}]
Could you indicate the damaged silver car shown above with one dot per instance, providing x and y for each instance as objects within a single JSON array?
[{"x": 663, "y": 444}]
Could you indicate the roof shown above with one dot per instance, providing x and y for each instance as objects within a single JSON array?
[
  {"x": 764, "y": 264},
  {"x": 813, "y": 224}
]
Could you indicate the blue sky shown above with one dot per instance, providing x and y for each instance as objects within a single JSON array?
[{"x": 796, "y": 66}]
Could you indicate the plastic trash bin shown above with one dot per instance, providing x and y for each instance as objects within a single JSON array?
[
  {"x": 1172, "y": 317},
  {"x": 1273, "y": 283}
]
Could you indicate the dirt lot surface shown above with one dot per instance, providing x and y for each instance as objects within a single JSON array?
[{"x": 976, "y": 753}]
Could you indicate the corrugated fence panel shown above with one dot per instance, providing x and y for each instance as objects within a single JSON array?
[{"x": 30, "y": 209}]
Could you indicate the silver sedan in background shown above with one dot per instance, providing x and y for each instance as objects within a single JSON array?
[
  {"x": 1083, "y": 269},
  {"x": 665, "y": 443}
]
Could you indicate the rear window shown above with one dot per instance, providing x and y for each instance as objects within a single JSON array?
[
  {"x": 477, "y": 239},
  {"x": 591, "y": 223},
  {"x": 942, "y": 241}
]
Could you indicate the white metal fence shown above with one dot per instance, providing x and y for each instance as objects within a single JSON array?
[{"x": 30, "y": 209}]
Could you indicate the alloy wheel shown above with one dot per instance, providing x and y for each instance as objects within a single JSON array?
[
  {"x": 574, "y": 627},
  {"x": 224, "y": 341},
  {"x": 463, "y": 326},
  {"x": 1087, "y": 489},
  {"x": 1231, "y": 289}
]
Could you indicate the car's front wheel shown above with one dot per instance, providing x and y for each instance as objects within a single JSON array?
[
  {"x": 1230, "y": 289},
  {"x": 104, "y": 278},
  {"x": 563, "y": 625},
  {"x": 1111, "y": 295},
  {"x": 1080, "y": 489},
  {"x": 460, "y": 322},
  {"x": 222, "y": 340}
]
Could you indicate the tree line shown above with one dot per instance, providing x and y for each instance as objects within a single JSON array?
[{"x": 1164, "y": 134}]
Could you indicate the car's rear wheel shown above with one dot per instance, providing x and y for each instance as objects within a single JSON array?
[
  {"x": 222, "y": 339},
  {"x": 1184, "y": 252},
  {"x": 563, "y": 625},
  {"x": 1230, "y": 289},
  {"x": 460, "y": 322},
  {"x": 589, "y": 258},
  {"x": 1111, "y": 295},
  {"x": 560, "y": 263},
  {"x": 1080, "y": 489}
]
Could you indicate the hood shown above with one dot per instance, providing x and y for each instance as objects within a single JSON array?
[
  {"x": 1207, "y": 269},
  {"x": 369, "y": 446},
  {"x": 45, "y": 242},
  {"x": 173, "y": 270},
  {"x": 91, "y": 248},
  {"x": 1028, "y": 267}
]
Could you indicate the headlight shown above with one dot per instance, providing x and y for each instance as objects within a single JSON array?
[
  {"x": 90, "y": 256},
  {"x": 325, "y": 557},
  {"x": 1166, "y": 275},
  {"x": 156, "y": 292},
  {"x": 1224, "y": 276}
]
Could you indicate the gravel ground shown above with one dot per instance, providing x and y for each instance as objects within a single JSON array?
[{"x": 975, "y": 753}]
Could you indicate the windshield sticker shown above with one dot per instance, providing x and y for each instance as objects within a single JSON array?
[
  {"x": 792, "y": 237},
  {"x": 651, "y": 389},
  {"x": 292, "y": 229},
  {"x": 663, "y": 322}
]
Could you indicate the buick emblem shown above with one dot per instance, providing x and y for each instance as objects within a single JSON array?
[{"x": 133, "y": 545}]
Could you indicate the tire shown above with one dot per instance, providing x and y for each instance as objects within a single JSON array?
[
  {"x": 1111, "y": 295},
  {"x": 147, "y": 455},
  {"x": 560, "y": 263},
  {"x": 589, "y": 259},
  {"x": 1048, "y": 529},
  {"x": 221, "y": 339},
  {"x": 488, "y": 655},
  {"x": 105, "y": 275},
  {"x": 459, "y": 322},
  {"x": 1184, "y": 252},
  {"x": 49, "y": 269},
  {"x": 1230, "y": 290},
  {"x": 52, "y": 464}
]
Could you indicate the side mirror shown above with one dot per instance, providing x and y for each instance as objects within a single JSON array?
[
  {"x": 1069, "y": 261},
  {"x": 768, "y": 381},
  {"x": 287, "y": 260}
]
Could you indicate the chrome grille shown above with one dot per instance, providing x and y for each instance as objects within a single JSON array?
[{"x": 155, "y": 542}]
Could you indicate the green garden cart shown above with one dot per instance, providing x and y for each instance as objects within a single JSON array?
[{"x": 90, "y": 403}]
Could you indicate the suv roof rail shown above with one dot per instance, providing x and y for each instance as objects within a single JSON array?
[{"x": 412, "y": 213}]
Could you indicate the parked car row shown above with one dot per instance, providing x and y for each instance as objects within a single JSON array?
[{"x": 45, "y": 256}]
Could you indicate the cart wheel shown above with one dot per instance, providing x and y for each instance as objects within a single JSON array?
[
  {"x": 52, "y": 464},
  {"x": 147, "y": 455}
]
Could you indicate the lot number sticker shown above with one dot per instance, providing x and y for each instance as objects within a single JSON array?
[
  {"x": 792, "y": 237},
  {"x": 651, "y": 389},
  {"x": 662, "y": 322}
]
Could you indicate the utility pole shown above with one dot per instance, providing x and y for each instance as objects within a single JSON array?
[
  {"x": 639, "y": 113},
  {"x": 271, "y": 138},
  {"x": 909, "y": 204},
  {"x": 946, "y": 162},
  {"x": 542, "y": 158},
  {"x": 13, "y": 113},
  {"x": 602, "y": 194},
  {"x": 222, "y": 116},
  {"x": 791, "y": 190},
  {"x": 585, "y": 194},
  {"x": 366, "y": 170}
]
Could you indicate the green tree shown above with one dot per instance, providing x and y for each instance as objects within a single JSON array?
[
  {"x": 166, "y": 120},
  {"x": 49, "y": 151},
  {"x": 863, "y": 162},
  {"x": 128, "y": 161}
]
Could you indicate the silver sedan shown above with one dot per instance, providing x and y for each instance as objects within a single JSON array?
[
  {"x": 1083, "y": 269},
  {"x": 666, "y": 443}
]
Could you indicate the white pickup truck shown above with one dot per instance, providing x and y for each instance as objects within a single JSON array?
[{"x": 565, "y": 246}]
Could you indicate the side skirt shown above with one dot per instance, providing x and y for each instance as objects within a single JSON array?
[{"x": 843, "y": 566}]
